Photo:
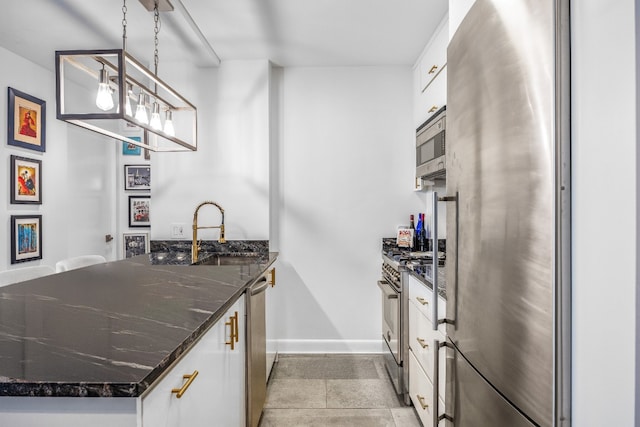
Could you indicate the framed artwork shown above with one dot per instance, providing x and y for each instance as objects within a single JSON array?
[
  {"x": 137, "y": 177},
  {"x": 26, "y": 238},
  {"x": 27, "y": 121},
  {"x": 129, "y": 149},
  {"x": 135, "y": 244},
  {"x": 26, "y": 180},
  {"x": 139, "y": 207}
]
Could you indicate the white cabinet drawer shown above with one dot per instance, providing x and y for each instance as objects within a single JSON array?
[
  {"x": 432, "y": 99},
  {"x": 421, "y": 340},
  {"x": 420, "y": 295},
  {"x": 435, "y": 57},
  {"x": 421, "y": 392}
]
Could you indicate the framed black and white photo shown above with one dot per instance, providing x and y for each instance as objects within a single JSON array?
[
  {"x": 137, "y": 177},
  {"x": 139, "y": 207},
  {"x": 26, "y": 238},
  {"x": 135, "y": 244},
  {"x": 26, "y": 180}
]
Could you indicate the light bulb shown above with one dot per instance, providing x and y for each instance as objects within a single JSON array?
[
  {"x": 127, "y": 101},
  {"x": 155, "y": 117},
  {"x": 141, "y": 110},
  {"x": 104, "y": 100},
  {"x": 168, "y": 124}
]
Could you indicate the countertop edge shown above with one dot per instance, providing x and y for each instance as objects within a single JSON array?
[{"x": 133, "y": 389}]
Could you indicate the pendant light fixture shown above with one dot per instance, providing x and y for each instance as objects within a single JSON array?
[
  {"x": 104, "y": 100},
  {"x": 168, "y": 124},
  {"x": 118, "y": 76}
]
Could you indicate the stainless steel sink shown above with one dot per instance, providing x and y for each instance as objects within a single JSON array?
[{"x": 235, "y": 259}]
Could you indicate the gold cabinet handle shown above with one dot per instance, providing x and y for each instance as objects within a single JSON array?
[
  {"x": 432, "y": 109},
  {"x": 422, "y": 301},
  {"x": 180, "y": 391},
  {"x": 421, "y": 400},
  {"x": 433, "y": 69},
  {"x": 272, "y": 273},
  {"x": 233, "y": 335},
  {"x": 237, "y": 330},
  {"x": 422, "y": 343}
]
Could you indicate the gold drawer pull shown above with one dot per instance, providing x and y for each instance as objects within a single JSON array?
[
  {"x": 272, "y": 282},
  {"x": 422, "y": 343},
  {"x": 233, "y": 336},
  {"x": 433, "y": 69},
  {"x": 421, "y": 400},
  {"x": 432, "y": 109},
  {"x": 422, "y": 301},
  {"x": 180, "y": 391}
]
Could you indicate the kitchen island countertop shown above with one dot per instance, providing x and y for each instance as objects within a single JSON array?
[{"x": 112, "y": 329}]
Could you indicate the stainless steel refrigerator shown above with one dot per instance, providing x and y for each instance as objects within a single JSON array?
[{"x": 508, "y": 284}]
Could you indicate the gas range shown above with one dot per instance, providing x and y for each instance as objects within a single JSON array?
[
  {"x": 395, "y": 261},
  {"x": 398, "y": 258}
]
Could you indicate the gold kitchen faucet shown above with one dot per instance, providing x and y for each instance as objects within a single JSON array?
[{"x": 195, "y": 245}]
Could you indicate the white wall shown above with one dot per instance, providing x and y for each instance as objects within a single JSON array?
[
  {"x": 231, "y": 166},
  {"x": 77, "y": 174},
  {"x": 346, "y": 167},
  {"x": 604, "y": 162}
]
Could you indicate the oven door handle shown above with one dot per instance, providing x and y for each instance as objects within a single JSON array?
[{"x": 388, "y": 290}]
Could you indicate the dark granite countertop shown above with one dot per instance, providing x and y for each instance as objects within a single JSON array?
[
  {"x": 423, "y": 272},
  {"x": 110, "y": 330}
]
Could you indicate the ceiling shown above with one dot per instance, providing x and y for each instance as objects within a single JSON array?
[{"x": 288, "y": 32}]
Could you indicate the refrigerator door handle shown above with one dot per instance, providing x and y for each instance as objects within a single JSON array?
[
  {"x": 434, "y": 258},
  {"x": 437, "y": 345}
]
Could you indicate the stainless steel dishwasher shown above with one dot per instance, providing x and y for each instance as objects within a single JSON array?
[{"x": 257, "y": 347}]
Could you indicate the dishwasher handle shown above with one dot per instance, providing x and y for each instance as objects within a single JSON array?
[{"x": 259, "y": 286}]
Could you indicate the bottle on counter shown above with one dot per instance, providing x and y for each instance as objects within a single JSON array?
[
  {"x": 427, "y": 235},
  {"x": 413, "y": 227},
  {"x": 419, "y": 234}
]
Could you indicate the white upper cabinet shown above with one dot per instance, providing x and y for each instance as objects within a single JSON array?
[
  {"x": 434, "y": 58},
  {"x": 430, "y": 75}
]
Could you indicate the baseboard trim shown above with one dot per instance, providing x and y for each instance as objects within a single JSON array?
[{"x": 330, "y": 346}]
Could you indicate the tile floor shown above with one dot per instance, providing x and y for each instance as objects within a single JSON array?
[{"x": 333, "y": 390}]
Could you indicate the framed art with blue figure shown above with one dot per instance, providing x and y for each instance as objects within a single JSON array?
[
  {"x": 26, "y": 181},
  {"x": 26, "y": 122},
  {"x": 26, "y": 238}
]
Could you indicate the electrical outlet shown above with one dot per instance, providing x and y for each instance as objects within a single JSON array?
[{"x": 178, "y": 230}]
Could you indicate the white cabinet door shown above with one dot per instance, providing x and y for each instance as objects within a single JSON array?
[
  {"x": 421, "y": 393},
  {"x": 421, "y": 343},
  {"x": 430, "y": 76},
  {"x": 435, "y": 57},
  {"x": 227, "y": 396},
  {"x": 215, "y": 394},
  {"x": 431, "y": 99},
  {"x": 421, "y": 295}
]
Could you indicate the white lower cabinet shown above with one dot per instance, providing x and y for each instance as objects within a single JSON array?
[
  {"x": 216, "y": 395},
  {"x": 421, "y": 344},
  {"x": 423, "y": 349},
  {"x": 421, "y": 391}
]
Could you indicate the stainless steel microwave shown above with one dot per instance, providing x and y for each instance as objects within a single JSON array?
[{"x": 430, "y": 146}]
